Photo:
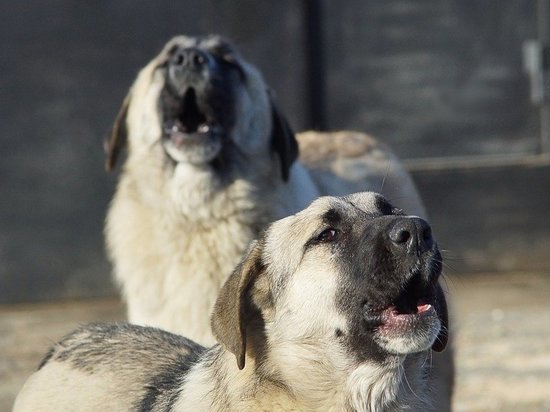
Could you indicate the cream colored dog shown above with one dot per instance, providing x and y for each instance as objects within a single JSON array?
[
  {"x": 211, "y": 161},
  {"x": 336, "y": 308}
]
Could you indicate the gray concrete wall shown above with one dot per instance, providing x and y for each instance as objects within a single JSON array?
[
  {"x": 433, "y": 79},
  {"x": 65, "y": 68}
]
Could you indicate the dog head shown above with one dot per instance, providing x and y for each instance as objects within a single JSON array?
[
  {"x": 352, "y": 279},
  {"x": 200, "y": 102}
]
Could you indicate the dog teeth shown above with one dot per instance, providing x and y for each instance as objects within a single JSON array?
[
  {"x": 176, "y": 127},
  {"x": 204, "y": 128}
]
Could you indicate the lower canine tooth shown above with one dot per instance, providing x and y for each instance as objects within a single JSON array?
[{"x": 203, "y": 128}]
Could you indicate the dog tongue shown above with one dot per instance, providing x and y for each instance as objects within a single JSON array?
[
  {"x": 423, "y": 307},
  {"x": 177, "y": 138}
]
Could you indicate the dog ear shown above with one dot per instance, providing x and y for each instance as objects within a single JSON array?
[
  {"x": 283, "y": 141},
  {"x": 118, "y": 138},
  {"x": 441, "y": 305},
  {"x": 232, "y": 310}
]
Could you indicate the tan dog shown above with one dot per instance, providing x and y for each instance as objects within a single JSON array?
[
  {"x": 210, "y": 162},
  {"x": 334, "y": 309}
]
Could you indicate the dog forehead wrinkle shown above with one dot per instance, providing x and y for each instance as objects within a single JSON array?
[
  {"x": 179, "y": 41},
  {"x": 366, "y": 202},
  {"x": 214, "y": 40},
  {"x": 382, "y": 204}
]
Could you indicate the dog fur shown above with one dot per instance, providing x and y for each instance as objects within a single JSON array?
[
  {"x": 176, "y": 228},
  {"x": 188, "y": 204},
  {"x": 336, "y": 308}
]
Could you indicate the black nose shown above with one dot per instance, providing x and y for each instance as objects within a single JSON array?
[
  {"x": 190, "y": 57},
  {"x": 412, "y": 234}
]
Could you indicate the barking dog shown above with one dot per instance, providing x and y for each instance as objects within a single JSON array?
[
  {"x": 211, "y": 161},
  {"x": 334, "y": 308}
]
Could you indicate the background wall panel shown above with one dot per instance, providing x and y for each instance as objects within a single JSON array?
[{"x": 436, "y": 80}]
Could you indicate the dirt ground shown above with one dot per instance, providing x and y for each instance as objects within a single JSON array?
[{"x": 501, "y": 328}]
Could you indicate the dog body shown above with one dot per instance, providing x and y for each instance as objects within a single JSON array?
[
  {"x": 211, "y": 161},
  {"x": 334, "y": 308}
]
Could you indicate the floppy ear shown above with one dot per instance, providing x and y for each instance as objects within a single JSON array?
[
  {"x": 118, "y": 138},
  {"x": 441, "y": 306},
  {"x": 283, "y": 141},
  {"x": 232, "y": 311}
]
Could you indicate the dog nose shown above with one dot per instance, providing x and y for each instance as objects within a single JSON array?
[
  {"x": 412, "y": 234},
  {"x": 190, "y": 58}
]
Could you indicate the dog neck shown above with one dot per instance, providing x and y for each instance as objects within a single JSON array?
[
  {"x": 216, "y": 383},
  {"x": 201, "y": 196},
  {"x": 397, "y": 385}
]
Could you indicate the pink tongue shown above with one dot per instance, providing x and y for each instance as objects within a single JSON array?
[
  {"x": 177, "y": 138},
  {"x": 423, "y": 308}
]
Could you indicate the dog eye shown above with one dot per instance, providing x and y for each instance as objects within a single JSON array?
[
  {"x": 327, "y": 235},
  {"x": 229, "y": 58}
]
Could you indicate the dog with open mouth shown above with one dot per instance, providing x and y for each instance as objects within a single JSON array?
[
  {"x": 211, "y": 161},
  {"x": 337, "y": 307}
]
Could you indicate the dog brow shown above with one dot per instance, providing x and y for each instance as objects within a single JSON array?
[
  {"x": 364, "y": 212},
  {"x": 331, "y": 217}
]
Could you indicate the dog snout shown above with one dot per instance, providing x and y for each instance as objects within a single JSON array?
[
  {"x": 189, "y": 66},
  {"x": 189, "y": 58},
  {"x": 411, "y": 234}
]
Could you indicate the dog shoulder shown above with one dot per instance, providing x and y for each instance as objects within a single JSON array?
[
  {"x": 347, "y": 161},
  {"x": 130, "y": 366},
  {"x": 90, "y": 347},
  {"x": 320, "y": 149}
]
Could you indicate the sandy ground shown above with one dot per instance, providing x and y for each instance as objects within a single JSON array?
[{"x": 501, "y": 326}]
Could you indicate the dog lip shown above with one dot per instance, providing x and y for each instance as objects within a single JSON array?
[
  {"x": 393, "y": 320},
  {"x": 181, "y": 139}
]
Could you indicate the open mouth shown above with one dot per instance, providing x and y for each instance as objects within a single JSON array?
[
  {"x": 410, "y": 322},
  {"x": 394, "y": 320},
  {"x": 189, "y": 119},
  {"x": 190, "y": 131},
  {"x": 414, "y": 305}
]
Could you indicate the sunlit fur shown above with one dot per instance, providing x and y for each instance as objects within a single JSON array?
[
  {"x": 293, "y": 361},
  {"x": 174, "y": 231}
]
